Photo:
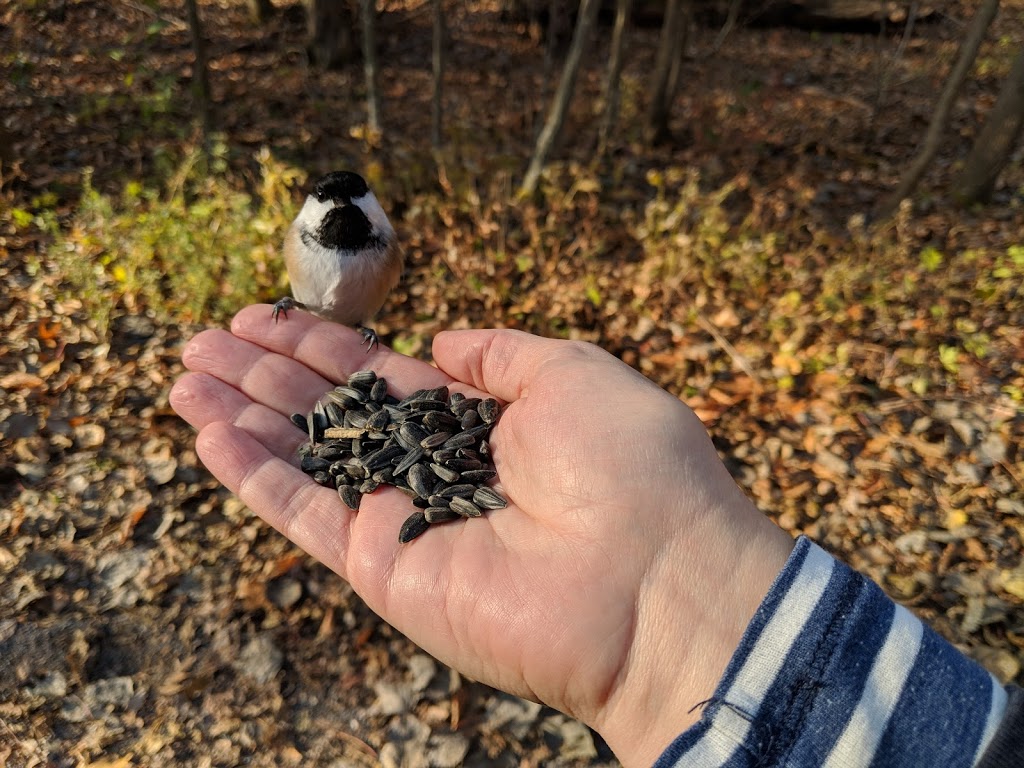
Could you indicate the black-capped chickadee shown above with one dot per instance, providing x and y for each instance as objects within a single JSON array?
[{"x": 342, "y": 254}]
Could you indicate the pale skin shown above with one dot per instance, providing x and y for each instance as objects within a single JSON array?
[{"x": 616, "y": 585}]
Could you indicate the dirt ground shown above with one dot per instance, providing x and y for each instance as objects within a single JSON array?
[{"x": 148, "y": 618}]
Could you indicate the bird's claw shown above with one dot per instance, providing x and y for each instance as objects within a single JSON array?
[
  {"x": 369, "y": 338},
  {"x": 283, "y": 305}
]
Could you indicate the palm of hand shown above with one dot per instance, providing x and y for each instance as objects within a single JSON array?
[{"x": 521, "y": 598}]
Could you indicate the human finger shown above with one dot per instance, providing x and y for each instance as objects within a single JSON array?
[
  {"x": 501, "y": 362},
  {"x": 274, "y": 380},
  {"x": 333, "y": 351},
  {"x": 306, "y": 513},
  {"x": 202, "y": 399}
]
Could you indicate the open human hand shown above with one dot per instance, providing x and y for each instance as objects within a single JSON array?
[{"x": 614, "y": 586}]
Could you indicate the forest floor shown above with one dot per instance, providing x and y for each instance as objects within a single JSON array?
[{"x": 864, "y": 383}]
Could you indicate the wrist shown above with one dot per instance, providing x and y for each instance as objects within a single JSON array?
[{"x": 695, "y": 602}]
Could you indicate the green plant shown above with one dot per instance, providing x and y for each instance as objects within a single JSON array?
[{"x": 199, "y": 249}]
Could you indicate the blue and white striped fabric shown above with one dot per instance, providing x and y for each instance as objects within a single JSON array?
[{"x": 831, "y": 672}]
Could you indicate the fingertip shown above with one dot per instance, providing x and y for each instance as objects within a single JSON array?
[
  {"x": 258, "y": 319},
  {"x": 182, "y": 393},
  {"x": 195, "y": 349},
  {"x": 501, "y": 362}
]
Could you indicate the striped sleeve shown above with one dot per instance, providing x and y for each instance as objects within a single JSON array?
[{"x": 830, "y": 672}]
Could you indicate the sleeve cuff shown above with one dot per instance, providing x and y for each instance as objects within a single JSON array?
[{"x": 830, "y": 672}]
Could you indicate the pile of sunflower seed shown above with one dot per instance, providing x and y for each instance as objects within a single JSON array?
[{"x": 432, "y": 445}]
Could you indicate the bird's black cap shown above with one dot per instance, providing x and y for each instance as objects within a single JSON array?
[{"x": 341, "y": 186}]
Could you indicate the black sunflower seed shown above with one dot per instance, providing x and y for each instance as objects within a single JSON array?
[
  {"x": 350, "y": 496},
  {"x": 300, "y": 421},
  {"x": 438, "y": 393},
  {"x": 408, "y": 460},
  {"x": 462, "y": 489},
  {"x": 312, "y": 464},
  {"x": 411, "y": 435},
  {"x": 462, "y": 406},
  {"x": 477, "y": 475},
  {"x": 446, "y": 474},
  {"x": 461, "y": 440},
  {"x": 435, "y": 440},
  {"x": 415, "y": 525},
  {"x": 335, "y": 414},
  {"x": 444, "y": 455},
  {"x": 377, "y": 421},
  {"x": 439, "y": 421},
  {"x": 440, "y": 514},
  {"x": 381, "y": 457},
  {"x": 333, "y": 450},
  {"x": 488, "y": 498},
  {"x": 379, "y": 390},
  {"x": 425, "y": 404},
  {"x": 355, "y": 419},
  {"x": 362, "y": 380},
  {"x": 463, "y": 465},
  {"x": 465, "y": 507},
  {"x": 417, "y": 395},
  {"x": 358, "y": 471},
  {"x": 489, "y": 410},
  {"x": 343, "y": 399},
  {"x": 421, "y": 480}
]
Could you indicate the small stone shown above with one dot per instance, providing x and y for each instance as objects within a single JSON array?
[
  {"x": 964, "y": 430},
  {"x": 89, "y": 436},
  {"x": 1010, "y": 507},
  {"x": 577, "y": 741},
  {"x": 422, "y": 669},
  {"x": 447, "y": 751},
  {"x": 284, "y": 592},
  {"x": 967, "y": 472},
  {"x": 118, "y": 568},
  {"x": 992, "y": 450},
  {"x": 53, "y": 685},
  {"x": 392, "y": 698},
  {"x": 914, "y": 542},
  {"x": 114, "y": 692},
  {"x": 260, "y": 659}
]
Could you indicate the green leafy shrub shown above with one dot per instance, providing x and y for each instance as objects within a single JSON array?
[{"x": 199, "y": 249}]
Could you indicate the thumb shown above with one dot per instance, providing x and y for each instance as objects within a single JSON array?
[{"x": 501, "y": 362}]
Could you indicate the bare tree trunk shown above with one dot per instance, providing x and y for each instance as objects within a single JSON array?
[
  {"x": 930, "y": 145},
  {"x": 995, "y": 143},
  {"x": 889, "y": 67},
  {"x": 730, "y": 22},
  {"x": 200, "y": 77},
  {"x": 666, "y": 69},
  {"x": 437, "y": 59},
  {"x": 550, "y": 45},
  {"x": 368, "y": 9},
  {"x": 329, "y": 23},
  {"x": 560, "y": 105},
  {"x": 612, "y": 84},
  {"x": 260, "y": 10}
]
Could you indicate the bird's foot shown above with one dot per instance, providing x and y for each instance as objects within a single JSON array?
[
  {"x": 283, "y": 305},
  {"x": 369, "y": 337}
]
